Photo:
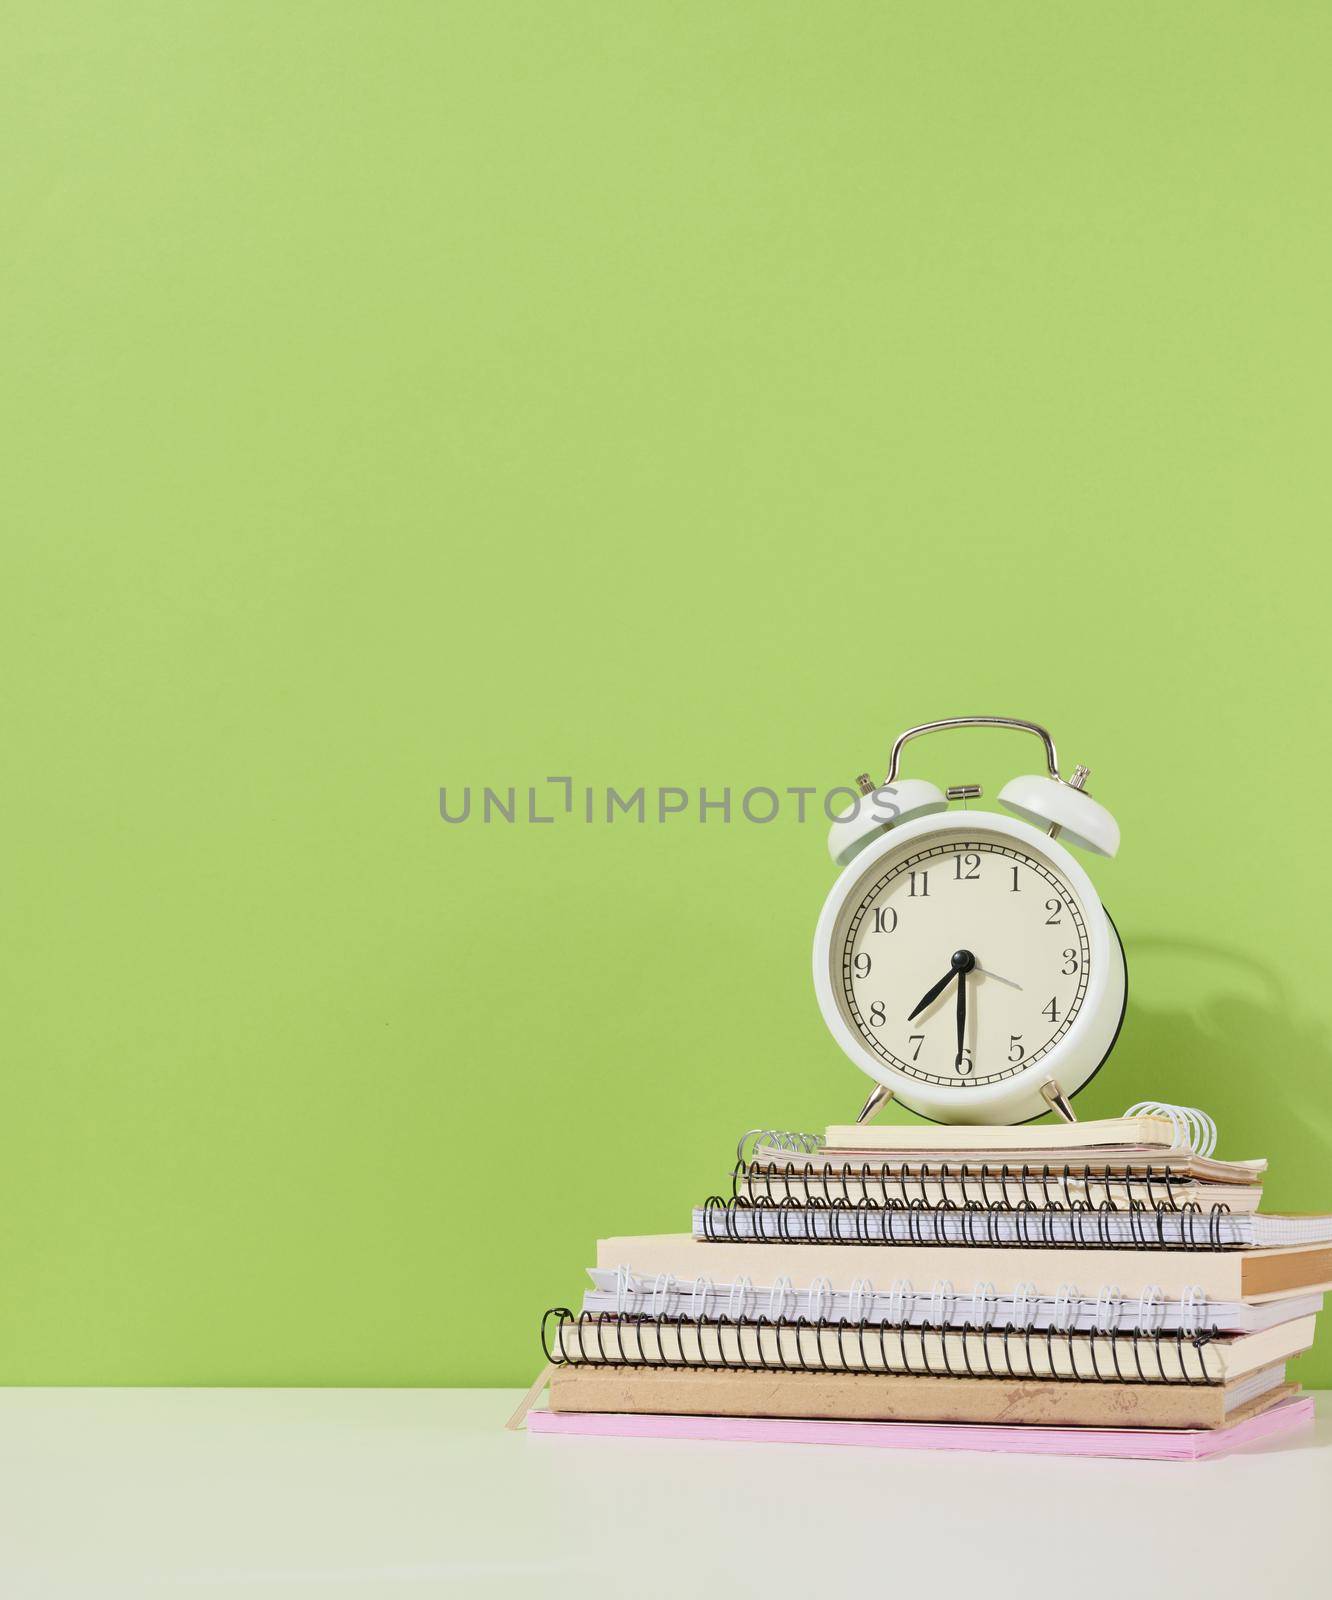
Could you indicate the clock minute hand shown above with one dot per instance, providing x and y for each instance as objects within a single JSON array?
[{"x": 961, "y": 1013}]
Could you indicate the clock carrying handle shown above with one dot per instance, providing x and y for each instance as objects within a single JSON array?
[{"x": 903, "y": 739}]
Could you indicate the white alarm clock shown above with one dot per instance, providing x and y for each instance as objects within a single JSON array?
[{"x": 963, "y": 959}]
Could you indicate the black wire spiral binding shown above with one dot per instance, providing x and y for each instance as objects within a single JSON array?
[
  {"x": 1115, "y": 1357},
  {"x": 886, "y": 1182},
  {"x": 847, "y": 1222}
]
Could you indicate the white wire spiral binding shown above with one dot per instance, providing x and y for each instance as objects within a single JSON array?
[
  {"x": 1193, "y": 1129},
  {"x": 1194, "y": 1310},
  {"x": 1068, "y": 1308},
  {"x": 663, "y": 1288},
  {"x": 1151, "y": 1310},
  {"x": 1109, "y": 1309},
  {"x": 1026, "y": 1303},
  {"x": 800, "y": 1144},
  {"x": 777, "y": 1298},
  {"x": 898, "y": 1295}
]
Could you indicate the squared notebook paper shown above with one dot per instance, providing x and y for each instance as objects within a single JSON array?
[{"x": 1103, "y": 1288}]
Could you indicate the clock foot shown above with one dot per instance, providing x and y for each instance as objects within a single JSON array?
[
  {"x": 879, "y": 1098},
  {"x": 1057, "y": 1100}
]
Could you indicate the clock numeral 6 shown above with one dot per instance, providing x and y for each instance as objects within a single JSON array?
[
  {"x": 964, "y": 1066},
  {"x": 881, "y": 923},
  {"x": 917, "y": 1039},
  {"x": 1070, "y": 963},
  {"x": 861, "y": 964},
  {"x": 1015, "y": 1050},
  {"x": 878, "y": 1016}
]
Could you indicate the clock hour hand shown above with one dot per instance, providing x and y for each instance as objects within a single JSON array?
[
  {"x": 933, "y": 993},
  {"x": 963, "y": 961}
]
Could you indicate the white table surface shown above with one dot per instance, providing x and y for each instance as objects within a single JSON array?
[{"x": 399, "y": 1492}]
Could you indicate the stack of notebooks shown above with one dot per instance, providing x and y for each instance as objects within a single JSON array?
[{"x": 1100, "y": 1288}]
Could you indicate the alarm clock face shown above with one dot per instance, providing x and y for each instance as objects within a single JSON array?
[{"x": 990, "y": 912}]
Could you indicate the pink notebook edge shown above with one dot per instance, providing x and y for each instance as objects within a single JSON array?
[{"x": 1143, "y": 1444}]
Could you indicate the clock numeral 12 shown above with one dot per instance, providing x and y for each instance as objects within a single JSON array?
[{"x": 973, "y": 868}]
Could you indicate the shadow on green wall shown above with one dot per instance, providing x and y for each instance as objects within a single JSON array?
[{"x": 1244, "y": 1048}]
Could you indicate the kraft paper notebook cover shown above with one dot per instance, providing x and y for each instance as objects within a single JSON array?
[
  {"x": 862, "y": 1398},
  {"x": 1287, "y": 1416},
  {"x": 1219, "y": 1274},
  {"x": 1109, "y": 1133}
]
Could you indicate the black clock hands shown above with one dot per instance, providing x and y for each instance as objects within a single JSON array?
[{"x": 962, "y": 963}]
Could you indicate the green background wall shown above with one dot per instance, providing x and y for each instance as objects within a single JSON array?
[{"x": 409, "y": 395}]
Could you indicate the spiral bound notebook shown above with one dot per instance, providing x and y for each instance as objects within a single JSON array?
[
  {"x": 1139, "y": 1227},
  {"x": 1044, "y": 1164},
  {"x": 797, "y": 1346},
  {"x": 1171, "y": 1274},
  {"x": 941, "y": 1304},
  {"x": 875, "y": 1397},
  {"x": 1151, "y": 1124},
  {"x": 826, "y": 1180}
]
